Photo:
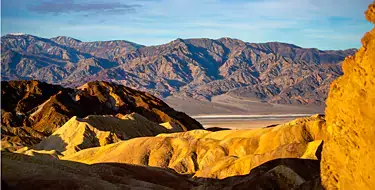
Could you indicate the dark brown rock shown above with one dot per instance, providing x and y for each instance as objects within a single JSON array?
[{"x": 32, "y": 110}]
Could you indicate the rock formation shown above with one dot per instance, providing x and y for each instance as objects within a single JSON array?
[
  {"x": 348, "y": 154},
  {"x": 219, "y": 154},
  {"x": 94, "y": 131},
  {"x": 33, "y": 110},
  {"x": 281, "y": 157}
]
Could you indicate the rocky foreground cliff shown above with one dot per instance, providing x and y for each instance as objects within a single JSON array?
[{"x": 348, "y": 154}]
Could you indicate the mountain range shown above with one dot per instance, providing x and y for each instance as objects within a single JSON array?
[{"x": 201, "y": 69}]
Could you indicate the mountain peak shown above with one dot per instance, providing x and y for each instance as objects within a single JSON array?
[
  {"x": 280, "y": 44},
  {"x": 17, "y": 34},
  {"x": 65, "y": 40}
]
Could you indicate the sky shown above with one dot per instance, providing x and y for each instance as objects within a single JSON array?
[{"x": 322, "y": 24}]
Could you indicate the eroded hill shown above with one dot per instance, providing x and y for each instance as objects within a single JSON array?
[
  {"x": 33, "y": 110},
  {"x": 281, "y": 157}
]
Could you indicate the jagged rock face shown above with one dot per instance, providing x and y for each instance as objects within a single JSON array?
[
  {"x": 348, "y": 154},
  {"x": 219, "y": 154},
  {"x": 198, "y": 68},
  {"x": 35, "y": 110}
]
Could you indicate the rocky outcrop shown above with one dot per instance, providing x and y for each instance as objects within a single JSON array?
[
  {"x": 221, "y": 154},
  {"x": 348, "y": 154},
  {"x": 33, "y": 110}
]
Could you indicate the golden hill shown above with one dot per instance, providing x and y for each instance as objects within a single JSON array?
[
  {"x": 348, "y": 154},
  {"x": 283, "y": 157},
  {"x": 93, "y": 131},
  {"x": 213, "y": 154}
]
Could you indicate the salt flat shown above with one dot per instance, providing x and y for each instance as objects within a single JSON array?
[{"x": 245, "y": 121}]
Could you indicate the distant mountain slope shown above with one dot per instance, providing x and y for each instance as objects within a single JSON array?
[
  {"x": 32, "y": 110},
  {"x": 31, "y": 57},
  {"x": 200, "y": 68},
  {"x": 105, "y": 49}
]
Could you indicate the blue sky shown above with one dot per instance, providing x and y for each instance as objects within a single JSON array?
[{"x": 323, "y": 24}]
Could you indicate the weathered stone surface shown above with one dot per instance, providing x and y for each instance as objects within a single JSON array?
[{"x": 348, "y": 154}]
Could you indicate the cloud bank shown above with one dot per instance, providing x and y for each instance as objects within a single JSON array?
[{"x": 70, "y": 6}]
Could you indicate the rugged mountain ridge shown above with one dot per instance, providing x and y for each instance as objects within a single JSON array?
[
  {"x": 199, "y": 68},
  {"x": 101, "y": 49},
  {"x": 32, "y": 110}
]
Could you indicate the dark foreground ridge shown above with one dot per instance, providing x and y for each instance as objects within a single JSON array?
[{"x": 25, "y": 172}]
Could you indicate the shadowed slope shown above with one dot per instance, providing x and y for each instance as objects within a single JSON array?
[{"x": 25, "y": 172}]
